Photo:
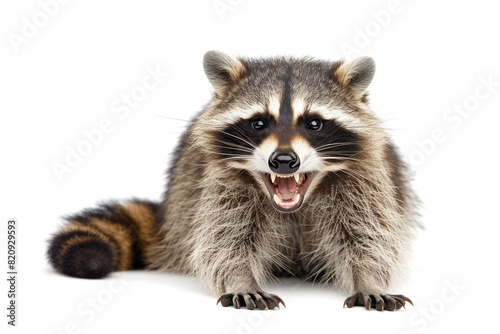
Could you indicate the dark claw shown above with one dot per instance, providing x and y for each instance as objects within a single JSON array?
[
  {"x": 380, "y": 305},
  {"x": 352, "y": 301},
  {"x": 382, "y": 302},
  {"x": 400, "y": 301},
  {"x": 390, "y": 304},
  {"x": 261, "y": 300},
  {"x": 261, "y": 303},
  {"x": 236, "y": 301},
  {"x": 271, "y": 302},
  {"x": 404, "y": 298},
  {"x": 368, "y": 302},
  {"x": 279, "y": 301},
  {"x": 225, "y": 300},
  {"x": 249, "y": 302}
]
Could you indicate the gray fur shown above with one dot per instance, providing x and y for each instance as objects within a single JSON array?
[
  {"x": 355, "y": 227},
  {"x": 359, "y": 73}
]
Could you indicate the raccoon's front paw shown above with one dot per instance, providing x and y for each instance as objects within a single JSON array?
[
  {"x": 259, "y": 299},
  {"x": 381, "y": 302}
]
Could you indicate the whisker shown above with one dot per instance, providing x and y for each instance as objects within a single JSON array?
[
  {"x": 338, "y": 152},
  {"x": 333, "y": 145},
  {"x": 172, "y": 118},
  {"x": 339, "y": 158},
  {"x": 239, "y": 130},
  {"x": 243, "y": 140},
  {"x": 367, "y": 125},
  {"x": 221, "y": 153},
  {"x": 243, "y": 148},
  {"x": 249, "y": 141},
  {"x": 234, "y": 148},
  {"x": 324, "y": 148},
  {"x": 236, "y": 158},
  {"x": 348, "y": 171},
  {"x": 331, "y": 134}
]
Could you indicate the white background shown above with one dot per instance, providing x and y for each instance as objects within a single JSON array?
[{"x": 64, "y": 79}]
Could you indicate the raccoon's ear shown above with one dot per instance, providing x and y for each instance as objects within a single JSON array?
[
  {"x": 355, "y": 75},
  {"x": 222, "y": 70}
]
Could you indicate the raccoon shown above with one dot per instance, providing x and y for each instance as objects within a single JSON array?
[{"x": 286, "y": 172}]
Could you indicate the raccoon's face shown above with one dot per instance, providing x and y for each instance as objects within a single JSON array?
[{"x": 286, "y": 122}]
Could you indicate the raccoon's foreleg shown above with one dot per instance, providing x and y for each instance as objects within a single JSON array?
[
  {"x": 364, "y": 242},
  {"x": 379, "y": 301},
  {"x": 228, "y": 257},
  {"x": 233, "y": 274},
  {"x": 255, "y": 298},
  {"x": 231, "y": 269},
  {"x": 374, "y": 264}
]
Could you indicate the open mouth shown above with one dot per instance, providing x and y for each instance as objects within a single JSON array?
[{"x": 287, "y": 190}]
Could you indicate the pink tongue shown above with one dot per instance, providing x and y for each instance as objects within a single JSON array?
[{"x": 286, "y": 187}]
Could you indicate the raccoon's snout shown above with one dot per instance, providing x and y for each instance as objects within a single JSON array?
[
  {"x": 284, "y": 162},
  {"x": 286, "y": 187}
]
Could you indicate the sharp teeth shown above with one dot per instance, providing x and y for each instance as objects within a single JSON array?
[
  {"x": 277, "y": 200},
  {"x": 297, "y": 177},
  {"x": 296, "y": 199},
  {"x": 286, "y": 204},
  {"x": 273, "y": 177}
]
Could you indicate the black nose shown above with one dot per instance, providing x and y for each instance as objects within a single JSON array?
[{"x": 284, "y": 162}]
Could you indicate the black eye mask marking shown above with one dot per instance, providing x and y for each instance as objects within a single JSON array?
[{"x": 329, "y": 138}]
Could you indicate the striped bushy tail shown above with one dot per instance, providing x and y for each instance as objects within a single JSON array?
[{"x": 115, "y": 236}]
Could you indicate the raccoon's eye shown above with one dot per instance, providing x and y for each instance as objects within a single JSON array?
[
  {"x": 258, "y": 124},
  {"x": 314, "y": 124}
]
